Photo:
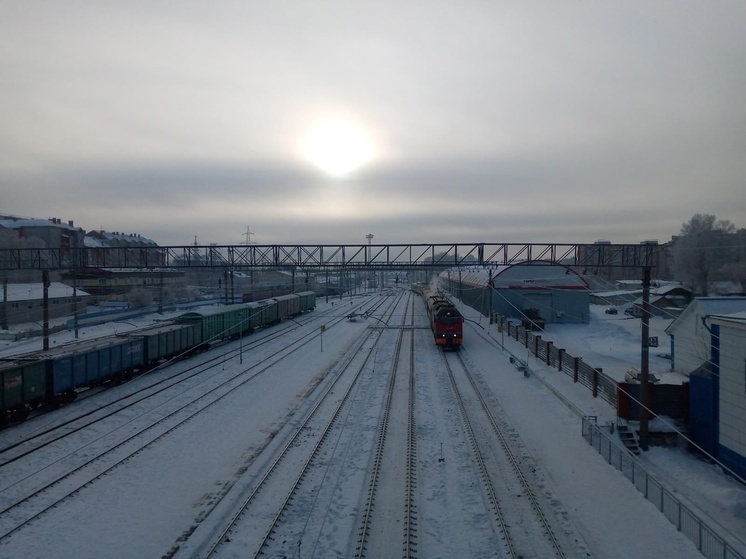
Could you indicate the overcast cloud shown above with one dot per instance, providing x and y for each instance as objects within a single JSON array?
[{"x": 488, "y": 121}]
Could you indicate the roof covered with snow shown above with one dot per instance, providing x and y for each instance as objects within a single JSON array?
[
  {"x": 708, "y": 306},
  {"x": 102, "y": 238},
  {"x": 737, "y": 318},
  {"x": 12, "y": 222},
  {"x": 35, "y": 291},
  {"x": 520, "y": 275}
]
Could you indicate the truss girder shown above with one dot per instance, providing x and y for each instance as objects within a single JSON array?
[{"x": 334, "y": 256}]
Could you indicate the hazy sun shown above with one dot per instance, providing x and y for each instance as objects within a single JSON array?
[{"x": 337, "y": 147}]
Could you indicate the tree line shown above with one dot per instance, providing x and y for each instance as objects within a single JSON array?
[{"x": 709, "y": 250}]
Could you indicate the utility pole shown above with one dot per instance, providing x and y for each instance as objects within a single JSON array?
[
  {"x": 369, "y": 236},
  {"x": 248, "y": 236},
  {"x": 645, "y": 361},
  {"x": 75, "y": 304},
  {"x": 4, "y": 316},
  {"x": 160, "y": 289},
  {"x": 45, "y": 283},
  {"x": 489, "y": 290}
]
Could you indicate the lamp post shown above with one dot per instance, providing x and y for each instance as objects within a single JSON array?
[{"x": 369, "y": 236}]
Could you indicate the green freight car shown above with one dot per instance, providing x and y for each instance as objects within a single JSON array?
[
  {"x": 219, "y": 323},
  {"x": 23, "y": 386},
  {"x": 167, "y": 341},
  {"x": 307, "y": 300}
]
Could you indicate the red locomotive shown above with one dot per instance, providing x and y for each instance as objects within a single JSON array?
[{"x": 446, "y": 321}]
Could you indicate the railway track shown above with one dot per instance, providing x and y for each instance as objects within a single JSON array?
[
  {"x": 368, "y": 456},
  {"x": 502, "y": 473},
  {"x": 304, "y": 466},
  {"x": 44, "y": 430},
  {"x": 390, "y": 505},
  {"x": 27, "y": 492}
]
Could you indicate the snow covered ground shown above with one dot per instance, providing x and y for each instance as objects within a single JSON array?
[
  {"x": 613, "y": 342},
  {"x": 141, "y": 510}
]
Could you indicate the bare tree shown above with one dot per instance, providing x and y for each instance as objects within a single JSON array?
[
  {"x": 702, "y": 248},
  {"x": 735, "y": 272}
]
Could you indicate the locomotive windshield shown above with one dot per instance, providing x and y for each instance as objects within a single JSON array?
[{"x": 449, "y": 316}]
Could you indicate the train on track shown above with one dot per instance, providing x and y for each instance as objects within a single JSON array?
[
  {"x": 55, "y": 376},
  {"x": 446, "y": 322}
]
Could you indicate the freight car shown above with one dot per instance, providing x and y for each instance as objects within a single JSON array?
[
  {"x": 167, "y": 341},
  {"x": 293, "y": 304},
  {"x": 56, "y": 375},
  {"x": 288, "y": 306},
  {"x": 22, "y": 387},
  {"x": 307, "y": 300},
  {"x": 446, "y": 321},
  {"x": 219, "y": 323}
]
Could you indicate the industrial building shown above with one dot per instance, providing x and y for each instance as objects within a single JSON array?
[
  {"x": 24, "y": 302},
  {"x": 552, "y": 292}
]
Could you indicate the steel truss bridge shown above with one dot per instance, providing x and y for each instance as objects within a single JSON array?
[{"x": 347, "y": 257}]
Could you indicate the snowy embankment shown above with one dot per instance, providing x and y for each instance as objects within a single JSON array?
[{"x": 613, "y": 342}]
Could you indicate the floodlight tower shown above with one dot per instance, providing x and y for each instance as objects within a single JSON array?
[{"x": 369, "y": 236}]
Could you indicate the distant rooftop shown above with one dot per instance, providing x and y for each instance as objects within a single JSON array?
[
  {"x": 103, "y": 238},
  {"x": 35, "y": 291},
  {"x": 15, "y": 222}
]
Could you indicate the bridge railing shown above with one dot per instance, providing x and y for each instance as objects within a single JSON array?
[{"x": 332, "y": 256}]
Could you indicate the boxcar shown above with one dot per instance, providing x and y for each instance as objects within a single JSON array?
[
  {"x": 237, "y": 320},
  {"x": 257, "y": 311},
  {"x": 210, "y": 320},
  {"x": 219, "y": 323},
  {"x": 168, "y": 340},
  {"x": 287, "y": 306},
  {"x": 270, "y": 311},
  {"x": 22, "y": 387},
  {"x": 307, "y": 300}
]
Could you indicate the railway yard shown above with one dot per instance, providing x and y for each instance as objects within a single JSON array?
[{"x": 324, "y": 436}]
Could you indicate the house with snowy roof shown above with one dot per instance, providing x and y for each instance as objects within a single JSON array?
[
  {"x": 717, "y": 399},
  {"x": 689, "y": 333},
  {"x": 51, "y": 233},
  {"x": 666, "y": 300}
]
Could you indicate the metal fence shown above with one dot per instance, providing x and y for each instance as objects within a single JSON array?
[
  {"x": 704, "y": 537},
  {"x": 591, "y": 377}
]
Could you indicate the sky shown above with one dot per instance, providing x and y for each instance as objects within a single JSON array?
[{"x": 420, "y": 122}]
